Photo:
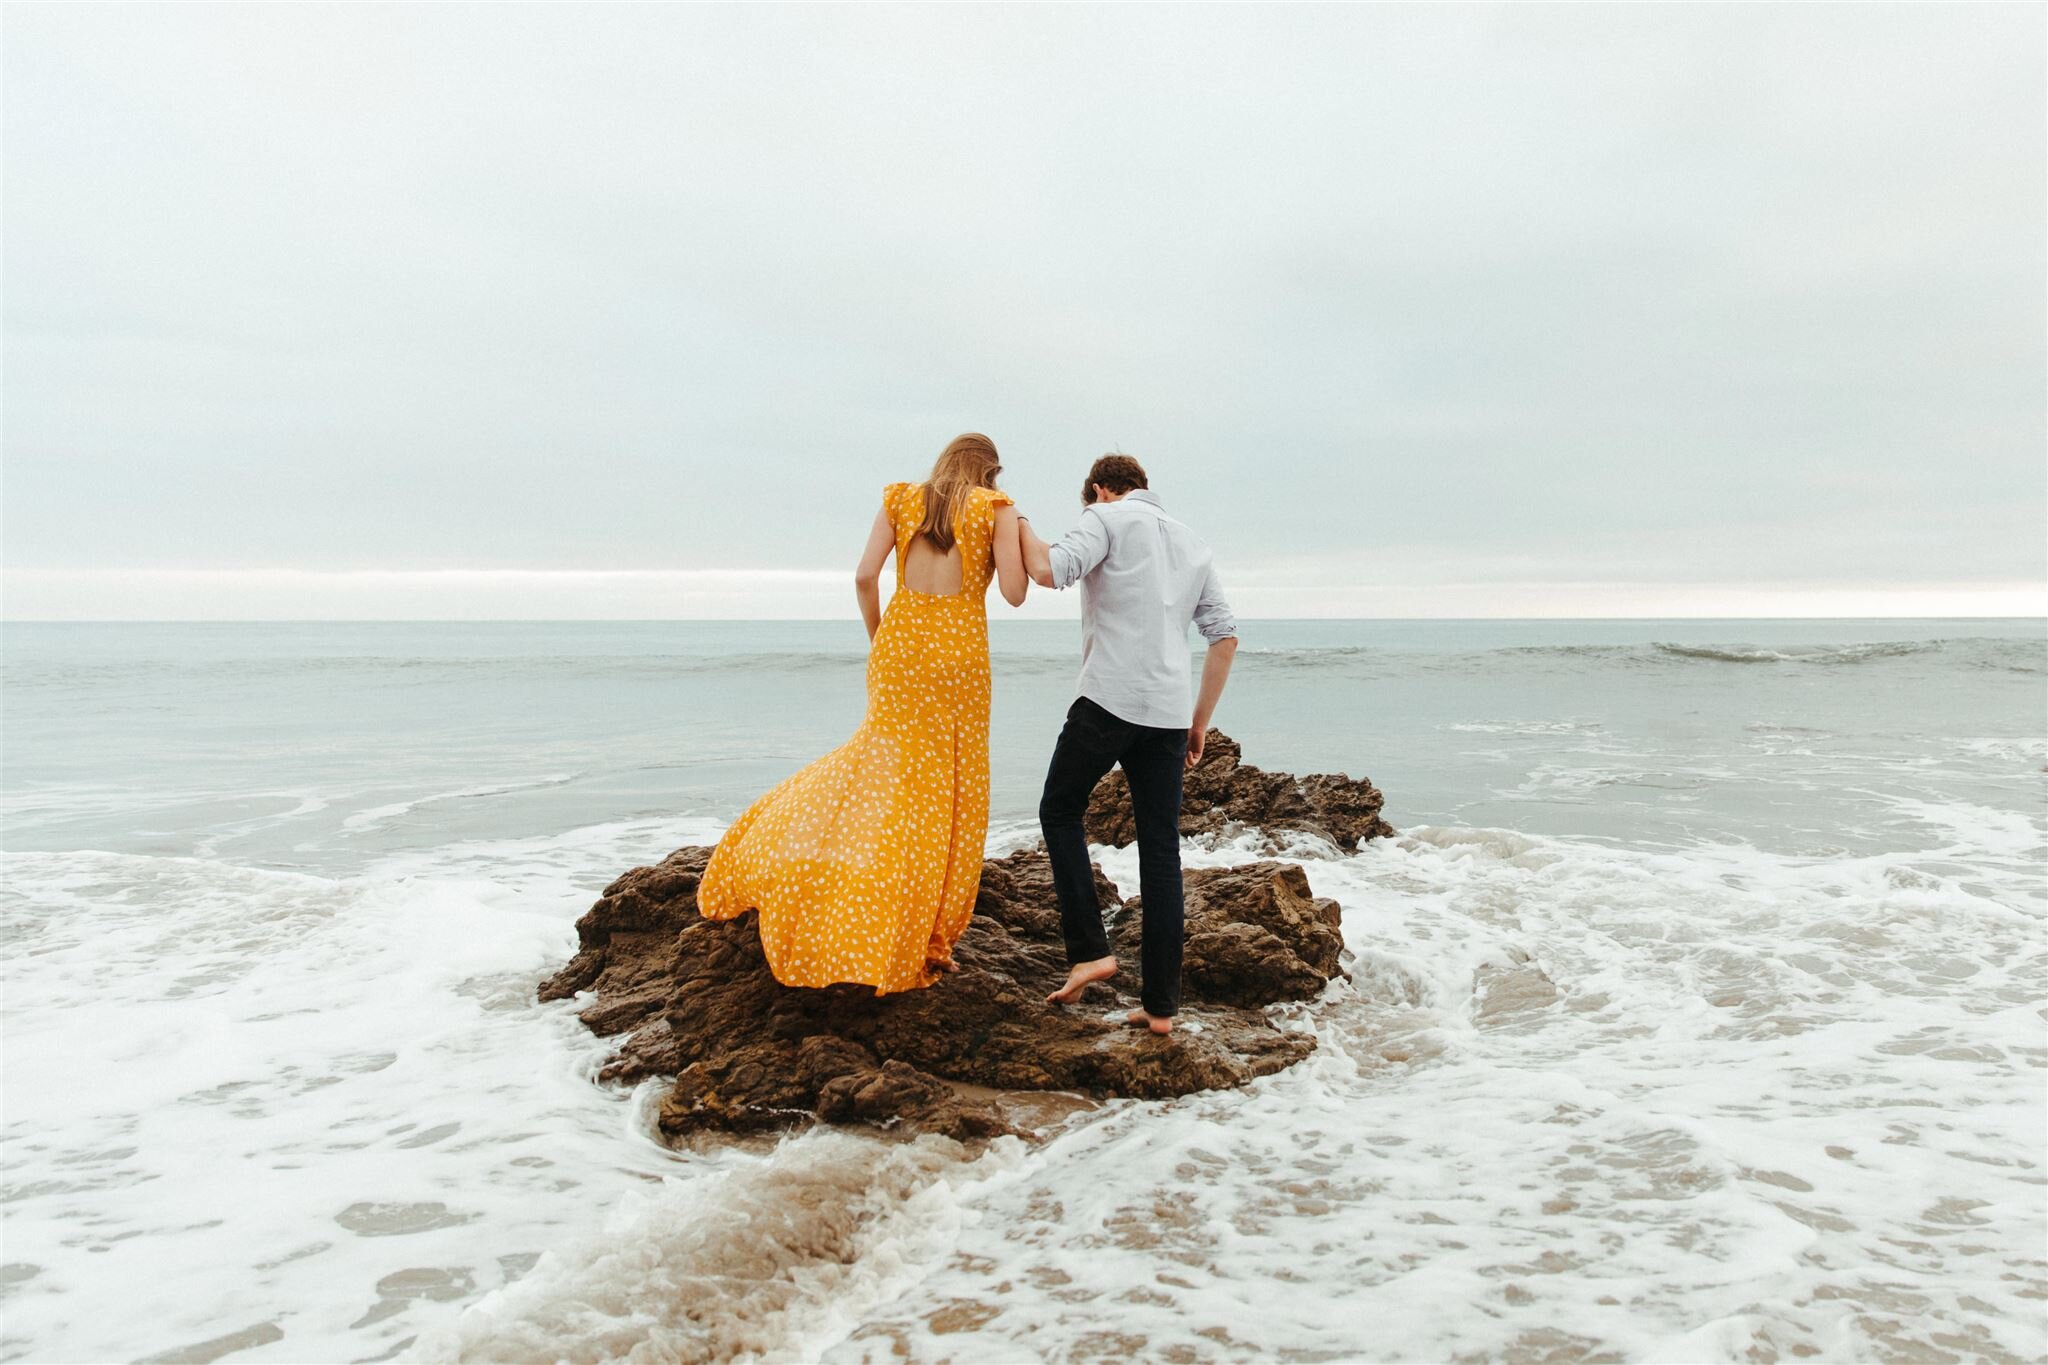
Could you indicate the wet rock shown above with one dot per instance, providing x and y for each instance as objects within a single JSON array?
[
  {"x": 694, "y": 1000},
  {"x": 1255, "y": 934},
  {"x": 1508, "y": 990},
  {"x": 1223, "y": 792}
]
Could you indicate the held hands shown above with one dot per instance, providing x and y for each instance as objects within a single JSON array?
[{"x": 1037, "y": 556}]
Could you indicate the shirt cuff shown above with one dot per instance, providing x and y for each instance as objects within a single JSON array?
[{"x": 1066, "y": 565}]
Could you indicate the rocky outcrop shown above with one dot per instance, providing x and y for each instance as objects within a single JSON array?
[
  {"x": 694, "y": 999},
  {"x": 1508, "y": 988},
  {"x": 1222, "y": 793},
  {"x": 1255, "y": 934}
]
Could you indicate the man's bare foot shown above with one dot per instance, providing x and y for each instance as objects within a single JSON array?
[
  {"x": 1158, "y": 1023},
  {"x": 1080, "y": 976}
]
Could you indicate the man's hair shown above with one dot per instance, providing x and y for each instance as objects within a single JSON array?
[{"x": 1117, "y": 473}]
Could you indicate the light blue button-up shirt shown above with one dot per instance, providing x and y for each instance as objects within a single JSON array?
[{"x": 1144, "y": 579}]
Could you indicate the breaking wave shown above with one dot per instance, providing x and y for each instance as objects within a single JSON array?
[
  {"x": 1837, "y": 654},
  {"x": 2024, "y": 656}
]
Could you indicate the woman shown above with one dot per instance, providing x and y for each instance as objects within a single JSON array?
[{"x": 864, "y": 866}]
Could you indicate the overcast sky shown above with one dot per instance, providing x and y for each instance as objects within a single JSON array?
[{"x": 632, "y": 310}]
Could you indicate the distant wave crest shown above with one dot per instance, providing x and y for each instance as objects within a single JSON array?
[
  {"x": 1359, "y": 661},
  {"x": 1820, "y": 654}
]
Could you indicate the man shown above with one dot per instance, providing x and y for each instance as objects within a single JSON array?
[{"x": 1144, "y": 577}]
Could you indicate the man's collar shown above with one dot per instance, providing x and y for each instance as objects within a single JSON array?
[{"x": 1143, "y": 495}]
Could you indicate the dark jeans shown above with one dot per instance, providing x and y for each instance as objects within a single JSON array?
[{"x": 1153, "y": 758}]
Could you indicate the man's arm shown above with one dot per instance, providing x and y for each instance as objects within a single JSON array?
[
  {"x": 1218, "y": 625},
  {"x": 1068, "y": 562},
  {"x": 1215, "y": 672}
]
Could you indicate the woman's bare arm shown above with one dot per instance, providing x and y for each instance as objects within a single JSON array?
[
  {"x": 1037, "y": 555},
  {"x": 1009, "y": 551},
  {"x": 867, "y": 576}
]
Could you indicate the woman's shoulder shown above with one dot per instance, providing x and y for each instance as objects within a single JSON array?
[{"x": 994, "y": 497}]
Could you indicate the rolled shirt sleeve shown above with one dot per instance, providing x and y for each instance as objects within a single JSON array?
[
  {"x": 1213, "y": 616},
  {"x": 1076, "y": 553}
]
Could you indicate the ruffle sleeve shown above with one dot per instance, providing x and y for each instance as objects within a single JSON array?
[
  {"x": 998, "y": 498},
  {"x": 893, "y": 495}
]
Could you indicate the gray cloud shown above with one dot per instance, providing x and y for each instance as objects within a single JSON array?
[{"x": 1591, "y": 294}]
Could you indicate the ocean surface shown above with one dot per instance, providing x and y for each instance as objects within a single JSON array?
[{"x": 275, "y": 1086}]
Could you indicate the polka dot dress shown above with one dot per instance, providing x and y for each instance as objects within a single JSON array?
[{"x": 865, "y": 865}]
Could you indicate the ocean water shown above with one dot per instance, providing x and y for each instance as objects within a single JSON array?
[{"x": 275, "y": 1086}]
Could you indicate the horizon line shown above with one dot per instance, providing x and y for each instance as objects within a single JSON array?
[
  {"x": 1256, "y": 592},
  {"x": 854, "y": 620}
]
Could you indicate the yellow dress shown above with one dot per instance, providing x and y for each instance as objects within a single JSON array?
[{"x": 865, "y": 865}]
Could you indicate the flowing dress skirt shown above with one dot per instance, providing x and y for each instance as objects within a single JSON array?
[{"x": 864, "y": 866}]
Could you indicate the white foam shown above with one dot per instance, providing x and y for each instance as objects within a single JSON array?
[
  {"x": 378, "y": 815},
  {"x": 773, "y": 1257},
  {"x": 241, "y": 1099},
  {"x": 2028, "y": 751},
  {"x": 1779, "y": 1104},
  {"x": 1974, "y": 830},
  {"x": 1543, "y": 729}
]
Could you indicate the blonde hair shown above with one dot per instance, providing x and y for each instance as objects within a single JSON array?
[{"x": 969, "y": 461}]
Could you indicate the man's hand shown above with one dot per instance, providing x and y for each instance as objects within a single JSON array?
[{"x": 1215, "y": 672}]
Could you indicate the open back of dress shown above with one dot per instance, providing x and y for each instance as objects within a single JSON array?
[{"x": 928, "y": 569}]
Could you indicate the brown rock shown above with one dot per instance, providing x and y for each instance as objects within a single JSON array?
[
  {"x": 1223, "y": 791},
  {"x": 1255, "y": 934},
  {"x": 696, "y": 1001},
  {"x": 1506, "y": 992}
]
